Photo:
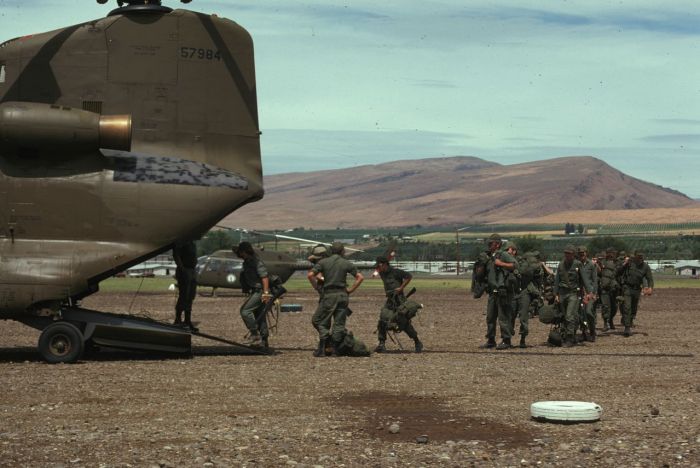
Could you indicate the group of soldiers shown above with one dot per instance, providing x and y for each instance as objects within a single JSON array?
[
  {"x": 515, "y": 283},
  {"x": 518, "y": 287},
  {"x": 328, "y": 277}
]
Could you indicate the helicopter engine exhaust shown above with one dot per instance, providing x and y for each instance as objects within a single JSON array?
[{"x": 48, "y": 128}]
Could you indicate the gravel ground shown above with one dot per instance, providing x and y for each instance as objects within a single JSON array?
[{"x": 291, "y": 409}]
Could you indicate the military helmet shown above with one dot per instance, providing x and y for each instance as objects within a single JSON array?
[
  {"x": 510, "y": 245},
  {"x": 582, "y": 249},
  {"x": 318, "y": 252},
  {"x": 337, "y": 247},
  {"x": 570, "y": 249},
  {"x": 494, "y": 238}
]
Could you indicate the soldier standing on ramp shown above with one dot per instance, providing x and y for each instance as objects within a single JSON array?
[
  {"x": 254, "y": 279},
  {"x": 185, "y": 256},
  {"x": 335, "y": 297},
  {"x": 395, "y": 281}
]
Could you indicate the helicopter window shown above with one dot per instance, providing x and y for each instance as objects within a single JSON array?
[
  {"x": 213, "y": 265},
  {"x": 2, "y": 72}
]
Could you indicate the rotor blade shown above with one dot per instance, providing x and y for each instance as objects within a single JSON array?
[{"x": 281, "y": 236}]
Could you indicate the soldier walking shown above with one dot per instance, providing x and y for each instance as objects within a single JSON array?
[
  {"x": 333, "y": 272},
  {"x": 608, "y": 288},
  {"x": 395, "y": 281},
  {"x": 635, "y": 274},
  {"x": 526, "y": 266},
  {"x": 255, "y": 281},
  {"x": 499, "y": 270},
  {"x": 569, "y": 285}
]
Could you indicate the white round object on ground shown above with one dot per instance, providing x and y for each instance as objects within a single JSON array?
[{"x": 566, "y": 411}]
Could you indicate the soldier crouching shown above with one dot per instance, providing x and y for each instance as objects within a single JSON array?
[{"x": 398, "y": 310}]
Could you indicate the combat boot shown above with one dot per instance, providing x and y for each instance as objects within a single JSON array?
[
  {"x": 627, "y": 332},
  {"x": 321, "y": 350},
  {"x": 253, "y": 340},
  {"x": 612, "y": 325},
  {"x": 488, "y": 345},
  {"x": 419, "y": 346},
  {"x": 522, "y": 342},
  {"x": 505, "y": 344},
  {"x": 381, "y": 347},
  {"x": 606, "y": 327}
]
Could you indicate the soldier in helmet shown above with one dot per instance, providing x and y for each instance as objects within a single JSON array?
[
  {"x": 395, "y": 281},
  {"x": 499, "y": 269},
  {"x": 335, "y": 298},
  {"x": 589, "y": 271},
  {"x": 608, "y": 288},
  {"x": 255, "y": 280},
  {"x": 318, "y": 253},
  {"x": 569, "y": 286},
  {"x": 636, "y": 275}
]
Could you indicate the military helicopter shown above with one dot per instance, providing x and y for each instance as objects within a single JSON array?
[
  {"x": 119, "y": 138},
  {"x": 222, "y": 269}
]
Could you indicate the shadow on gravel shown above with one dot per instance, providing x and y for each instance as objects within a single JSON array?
[
  {"x": 30, "y": 354},
  {"x": 423, "y": 415}
]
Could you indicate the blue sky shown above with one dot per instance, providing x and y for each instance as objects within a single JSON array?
[{"x": 351, "y": 83}]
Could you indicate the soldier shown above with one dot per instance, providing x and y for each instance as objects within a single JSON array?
[
  {"x": 319, "y": 252},
  {"x": 255, "y": 281},
  {"x": 635, "y": 274},
  {"x": 335, "y": 297},
  {"x": 520, "y": 305},
  {"x": 185, "y": 256},
  {"x": 395, "y": 281},
  {"x": 499, "y": 269},
  {"x": 569, "y": 284},
  {"x": 608, "y": 288},
  {"x": 589, "y": 271}
]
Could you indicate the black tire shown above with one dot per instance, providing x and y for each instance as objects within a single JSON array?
[{"x": 61, "y": 342}]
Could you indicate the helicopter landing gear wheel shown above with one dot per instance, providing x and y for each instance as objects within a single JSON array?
[{"x": 61, "y": 342}]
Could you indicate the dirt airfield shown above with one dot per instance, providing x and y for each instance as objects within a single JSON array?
[{"x": 291, "y": 409}]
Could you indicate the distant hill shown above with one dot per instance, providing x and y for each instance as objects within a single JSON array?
[{"x": 455, "y": 190}]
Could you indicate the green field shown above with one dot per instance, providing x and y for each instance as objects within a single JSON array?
[{"x": 160, "y": 285}]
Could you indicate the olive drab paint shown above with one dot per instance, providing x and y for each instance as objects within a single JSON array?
[{"x": 118, "y": 138}]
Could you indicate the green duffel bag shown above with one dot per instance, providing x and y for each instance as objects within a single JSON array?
[
  {"x": 409, "y": 309},
  {"x": 351, "y": 346},
  {"x": 550, "y": 313}
]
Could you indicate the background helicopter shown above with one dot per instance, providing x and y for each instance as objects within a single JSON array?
[
  {"x": 222, "y": 268},
  {"x": 119, "y": 138}
]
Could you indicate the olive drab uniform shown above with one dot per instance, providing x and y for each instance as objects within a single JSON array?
[
  {"x": 390, "y": 315},
  {"x": 527, "y": 265},
  {"x": 502, "y": 285},
  {"x": 253, "y": 309},
  {"x": 589, "y": 272},
  {"x": 185, "y": 257},
  {"x": 634, "y": 276},
  {"x": 334, "y": 298},
  {"x": 608, "y": 292},
  {"x": 569, "y": 284}
]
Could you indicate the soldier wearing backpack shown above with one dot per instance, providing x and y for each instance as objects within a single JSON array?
[
  {"x": 526, "y": 290},
  {"x": 499, "y": 270},
  {"x": 569, "y": 288}
]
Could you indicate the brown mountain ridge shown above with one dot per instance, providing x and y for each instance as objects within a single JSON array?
[{"x": 445, "y": 191}]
